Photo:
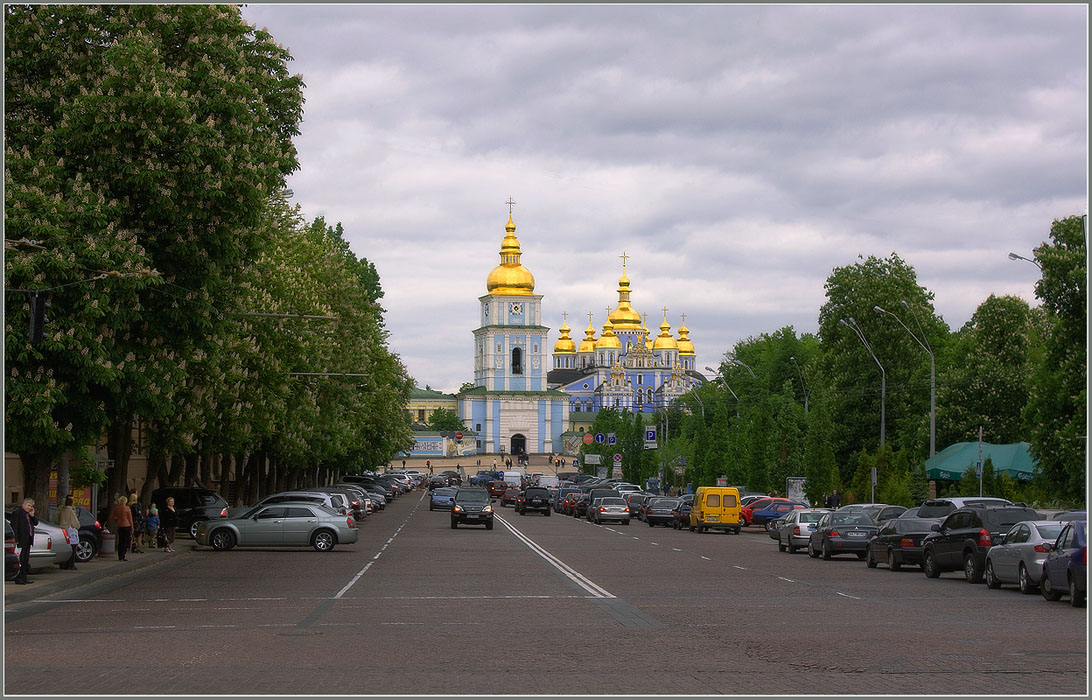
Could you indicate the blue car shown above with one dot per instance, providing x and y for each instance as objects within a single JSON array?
[
  {"x": 441, "y": 498},
  {"x": 1066, "y": 566}
]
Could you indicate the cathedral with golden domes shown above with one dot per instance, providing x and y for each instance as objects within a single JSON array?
[{"x": 520, "y": 404}]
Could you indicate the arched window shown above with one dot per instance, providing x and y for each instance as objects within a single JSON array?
[{"x": 517, "y": 361}]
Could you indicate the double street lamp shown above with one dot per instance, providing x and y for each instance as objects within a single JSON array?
[
  {"x": 852, "y": 325},
  {"x": 924, "y": 343}
]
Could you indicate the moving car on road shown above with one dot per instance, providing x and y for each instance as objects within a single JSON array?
[
  {"x": 441, "y": 498},
  {"x": 534, "y": 498},
  {"x": 471, "y": 507},
  {"x": 609, "y": 508},
  {"x": 659, "y": 511},
  {"x": 280, "y": 525}
]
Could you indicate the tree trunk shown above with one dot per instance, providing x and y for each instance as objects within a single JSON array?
[
  {"x": 36, "y": 468},
  {"x": 178, "y": 465},
  {"x": 157, "y": 468},
  {"x": 63, "y": 486},
  {"x": 119, "y": 446},
  {"x": 192, "y": 461},
  {"x": 205, "y": 478}
]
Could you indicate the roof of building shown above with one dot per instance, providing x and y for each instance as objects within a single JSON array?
[
  {"x": 564, "y": 376},
  {"x": 417, "y": 393}
]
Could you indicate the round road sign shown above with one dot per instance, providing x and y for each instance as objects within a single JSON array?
[
  {"x": 588, "y": 439},
  {"x": 459, "y": 435}
]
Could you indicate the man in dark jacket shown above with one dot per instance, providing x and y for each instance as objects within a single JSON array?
[{"x": 23, "y": 522}]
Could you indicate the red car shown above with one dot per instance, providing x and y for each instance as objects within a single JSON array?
[
  {"x": 748, "y": 511},
  {"x": 569, "y": 502},
  {"x": 497, "y": 488},
  {"x": 509, "y": 497}
]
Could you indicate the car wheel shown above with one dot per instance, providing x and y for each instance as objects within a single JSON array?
[
  {"x": 780, "y": 547},
  {"x": 811, "y": 550},
  {"x": 929, "y": 564},
  {"x": 826, "y": 551},
  {"x": 222, "y": 539},
  {"x": 692, "y": 528},
  {"x": 651, "y": 524},
  {"x": 736, "y": 531},
  {"x": 1027, "y": 586},
  {"x": 626, "y": 521},
  {"x": 860, "y": 556},
  {"x": 193, "y": 528},
  {"x": 891, "y": 563},
  {"x": 790, "y": 546},
  {"x": 454, "y": 523},
  {"x": 1047, "y": 589},
  {"x": 547, "y": 513},
  {"x": 971, "y": 572},
  {"x": 323, "y": 541},
  {"x": 1076, "y": 597},
  {"x": 991, "y": 577},
  {"x": 870, "y": 560},
  {"x": 489, "y": 525},
  {"x": 767, "y": 525},
  {"x": 85, "y": 550}
]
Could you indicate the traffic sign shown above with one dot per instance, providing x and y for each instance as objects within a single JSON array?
[
  {"x": 617, "y": 458},
  {"x": 650, "y": 437},
  {"x": 610, "y": 439},
  {"x": 588, "y": 439},
  {"x": 600, "y": 438},
  {"x": 978, "y": 468},
  {"x": 459, "y": 435}
]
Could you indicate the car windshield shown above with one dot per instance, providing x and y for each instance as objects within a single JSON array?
[
  {"x": 935, "y": 510},
  {"x": 850, "y": 519},
  {"x": 472, "y": 496},
  {"x": 872, "y": 511},
  {"x": 811, "y": 517},
  {"x": 443, "y": 492},
  {"x": 915, "y": 524}
]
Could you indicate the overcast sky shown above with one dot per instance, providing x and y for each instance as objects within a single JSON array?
[{"x": 738, "y": 154}]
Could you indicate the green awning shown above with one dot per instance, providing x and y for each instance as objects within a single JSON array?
[{"x": 1015, "y": 460}]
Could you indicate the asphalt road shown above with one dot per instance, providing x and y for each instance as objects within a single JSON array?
[{"x": 538, "y": 605}]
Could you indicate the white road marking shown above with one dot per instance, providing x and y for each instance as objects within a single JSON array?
[
  {"x": 786, "y": 579},
  {"x": 636, "y": 538},
  {"x": 706, "y": 558},
  {"x": 676, "y": 549},
  {"x": 657, "y": 544},
  {"x": 741, "y": 568},
  {"x": 847, "y": 595},
  {"x": 339, "y": 594},
  {"x": 572, "y": 574}
]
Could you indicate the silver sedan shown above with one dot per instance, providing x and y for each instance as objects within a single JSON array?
[
  {"x": 1019, "y": 558},
  {"x": 794, "y": 529},
  {"x": 280, "y": 525}
]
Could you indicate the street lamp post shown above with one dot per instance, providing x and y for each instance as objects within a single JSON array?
[
  {"x": 803, "y": 386},
  {"x": 924, "y": 343},
  {"x": 725, "y": 383},
  {"x": 1036, "y": 263},
  {"x": 743, "y": 365},
  {"x": 852, "y": 325}
]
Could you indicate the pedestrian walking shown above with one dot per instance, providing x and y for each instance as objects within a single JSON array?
[
  {"x": 138, "y": 524},
  {"x": 151, "y": 525},
  {"x": 122, "y": 516},
  {"x": 23, "y": 522},
  {"x": 168, "y": 520},
  {"x": 67, "y": 518}
]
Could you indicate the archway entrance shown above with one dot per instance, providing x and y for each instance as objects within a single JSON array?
[{"x": 519, "y": 445}]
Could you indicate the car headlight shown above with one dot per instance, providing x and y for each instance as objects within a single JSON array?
[
  {"x": 458, "y": 509},
  {"x": 488, "y": 509}
]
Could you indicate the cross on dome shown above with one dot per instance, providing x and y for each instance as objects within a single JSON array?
[{"x": 510, "y": 203}]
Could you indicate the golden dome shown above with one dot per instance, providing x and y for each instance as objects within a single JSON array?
[
  {"x": 510, "y": 277},
  {"x": 686, "y": 347},
  {"x": 588, "y": 344},
  {"x": 665, "y": 341},
  {"x": 564, "y": 344},
  {"x": 624, "y": 316},
  {"x": 608, "y": 341}
]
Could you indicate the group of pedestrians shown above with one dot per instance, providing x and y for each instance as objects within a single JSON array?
[{"x": 131, "y": 522}]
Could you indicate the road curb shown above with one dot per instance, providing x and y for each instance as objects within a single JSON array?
[{"x": 61, "y": 580}]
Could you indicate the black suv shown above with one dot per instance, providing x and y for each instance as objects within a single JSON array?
[
  {"x": 962, "y": 539},
  {"x": 534, "y": 498},
  {"x": 471, "y": 506},
  {"x": 193, "y": 505}
]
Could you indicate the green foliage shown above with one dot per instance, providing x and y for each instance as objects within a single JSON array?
[
  {"x": 86, "y": 475},
  {"x": 1057, "y": 409},
  {"x": 443, "y": 419}
]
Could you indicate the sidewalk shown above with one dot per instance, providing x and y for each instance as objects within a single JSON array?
[{"x": 53, "y": 579}]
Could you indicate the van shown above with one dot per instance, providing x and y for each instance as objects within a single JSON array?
[
  {"x": 549, "y": 481},
  {"x": 716, "y": 508},
  {"x": 514, "y": 480}
]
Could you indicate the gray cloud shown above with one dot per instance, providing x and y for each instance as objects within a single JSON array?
[{"x": 738, "y": 153}]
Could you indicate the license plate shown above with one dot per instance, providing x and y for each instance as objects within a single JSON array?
[
  {"x": 713, "y": 519},
  {"x": 472, "y": 517},
  {"x": 857, "y": 534}
]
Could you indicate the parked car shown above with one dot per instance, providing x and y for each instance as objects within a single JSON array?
[
  {"x": 778, "y": 507},
  {"x": 794, "y": 529},
  {"x": 471, "y": 507},
  {"x": 91, "y": 532},
  {"x": 442, "y": 498},
  {"x": 534, "y": 498},
  {"x": 559, "y": 499},
  {"x": 609, "y": 509},
  {"x": 327, "y": 500},
  {"x": 910, "y": 512},
  {"x": 1070, "y": 515},
  {"x": 633, "y": 501},
  {"x": 42, "y": 548},
  {"x": 62, "y": 545},
  {"x": 580, "y": 507},
  {"x": 1019, "y": 556},
  {"x": 879, "y": 512},
  {"x": 193, "y": 505},
  {"x": 962, "y": 539},
  {"x": 348, "y": 500},
  {"x": 1066, "y": 566},
  {"x": 898, "y": 542},
  {"x": 681, "y": 515},
  {"x": 280, "y": 525},
  {"x": 11, "y": 560},
  {"x": 943, "y": 507},
  {"x": 659, "y": 511},
  {"x": 569, "y": 501},
  {"x": 841, "y": 533}
]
